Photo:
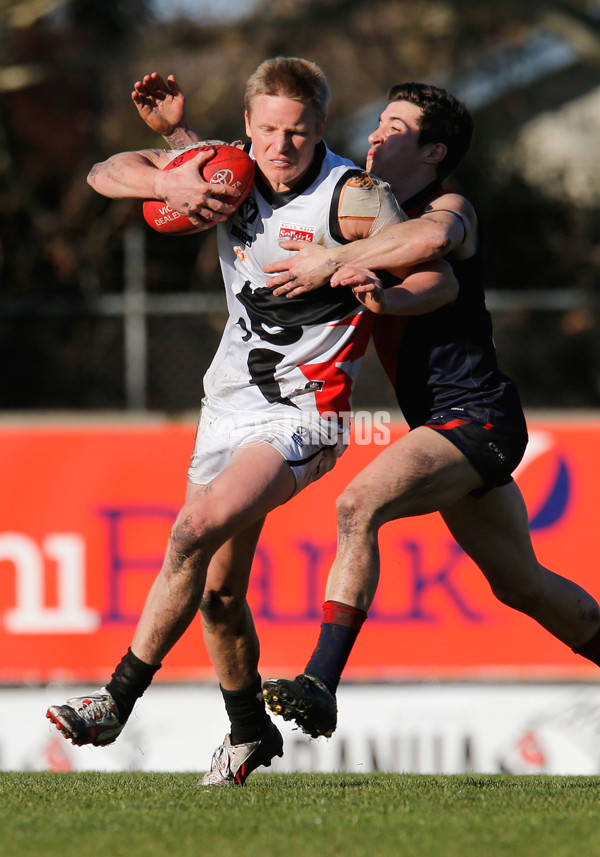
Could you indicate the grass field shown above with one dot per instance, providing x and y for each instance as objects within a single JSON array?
[{"x": 299, "y": 815}]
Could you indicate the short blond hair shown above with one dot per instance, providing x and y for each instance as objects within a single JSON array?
[{"x": 291, "y": 77}]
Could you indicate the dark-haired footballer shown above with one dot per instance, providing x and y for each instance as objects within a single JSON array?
[{"x": 467, "y": 429}]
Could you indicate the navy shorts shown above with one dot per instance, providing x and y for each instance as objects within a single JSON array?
[{"x": 494, "y": 442}]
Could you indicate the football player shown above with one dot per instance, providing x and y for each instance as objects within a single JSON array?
[
  {"x": 271, "y": 420},
  {"x": 467, "y": 429}
]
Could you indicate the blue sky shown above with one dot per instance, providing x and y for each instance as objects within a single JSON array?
[{"x": 213, "y": 10}]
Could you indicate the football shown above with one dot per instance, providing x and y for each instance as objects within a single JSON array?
[{"x": 229, "y": 165}]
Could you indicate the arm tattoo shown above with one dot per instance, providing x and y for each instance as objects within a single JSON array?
[{"x": 180, "y": 138}]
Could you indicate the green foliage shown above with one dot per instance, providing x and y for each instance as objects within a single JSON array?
[{"x": 299, "y": 815}]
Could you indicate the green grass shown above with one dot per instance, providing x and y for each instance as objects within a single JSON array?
[{"x": 299, "y": 815}]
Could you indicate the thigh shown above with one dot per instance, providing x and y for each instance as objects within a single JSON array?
[
  {"x": 309, "y": 446},
  {"x": 420, "y": 473},
  {"x": 256, "y": 480},
  {"x": 494, "y": 531}
]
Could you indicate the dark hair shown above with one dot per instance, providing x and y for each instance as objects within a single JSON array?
[
  {"x": 292, "y": 77},
  {"x": 445, "y": 120}
]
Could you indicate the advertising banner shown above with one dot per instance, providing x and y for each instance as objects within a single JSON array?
[
  {"x": 421, "y": 728},
  {"x": 85, "y": 514}
]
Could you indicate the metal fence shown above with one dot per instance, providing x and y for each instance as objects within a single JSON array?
[{"x": 159, "y": 345}]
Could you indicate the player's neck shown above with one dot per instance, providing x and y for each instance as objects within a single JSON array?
[{"x": 406, "y": 186}]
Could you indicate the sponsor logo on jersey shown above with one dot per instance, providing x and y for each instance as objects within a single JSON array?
[
  {"x": 296, "y": 232},
  {"x": 309, "y": 387},
  {"x": 242, "y": 219},
  {"x": 241, "y": 235}
]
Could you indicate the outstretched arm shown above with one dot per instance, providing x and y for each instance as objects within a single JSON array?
[
  {"x": 426, "y": 288},
  {"x": 161, "y": 104}
]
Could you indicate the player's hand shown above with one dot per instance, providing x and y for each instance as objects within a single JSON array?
[
  {"x": 160, "y": 103},
  {"x": 185, "y": 191},
  {"x": 309, "y": 269},
  {"x": 365, "y": 284}
]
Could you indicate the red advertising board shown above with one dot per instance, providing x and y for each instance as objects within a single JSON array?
[{"x": 85, "y": 514}]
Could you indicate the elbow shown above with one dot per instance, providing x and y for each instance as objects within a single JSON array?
[
  {"x": 92, "y": 176},
  {"x": 438, "y": 244},
  {"x": 433, "y": 246}
]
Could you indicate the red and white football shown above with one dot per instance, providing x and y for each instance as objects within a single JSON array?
[{"x": 229, "y": 165}]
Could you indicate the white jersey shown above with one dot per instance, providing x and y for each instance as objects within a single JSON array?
[{"x": 286, "y": 356}]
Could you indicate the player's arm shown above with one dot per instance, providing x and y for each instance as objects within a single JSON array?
[
  {"x": 425, "y": 288},
  {"x": 141, "y": 175},
  {"x": 161, "y": 104},
  {"x": 449, "y": 225},
  {"x": 365, "y": 206}
]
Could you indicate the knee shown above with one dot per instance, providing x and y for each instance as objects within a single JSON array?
[
  {"x": 355, "y": 512},
  {"x": 191, "y": 535}
]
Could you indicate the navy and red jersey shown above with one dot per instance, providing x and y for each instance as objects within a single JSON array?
[{"x": 445, "y": 359}]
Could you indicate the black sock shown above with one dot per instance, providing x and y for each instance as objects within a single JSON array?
[
  {"x": 246, "y": 711},
  {"x": 591, "y": 649},
  {"x": 339, "y": 630},
  {"x": 129, "y": 681}
]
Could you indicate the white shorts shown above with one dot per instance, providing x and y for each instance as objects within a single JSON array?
[{"x": 311, "y": 447}]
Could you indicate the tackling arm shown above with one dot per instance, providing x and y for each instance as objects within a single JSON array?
[
  {"x": 367, "y": 207},
  {"x": 426, "y": 288},
  {"x": 448, "y": 225}
]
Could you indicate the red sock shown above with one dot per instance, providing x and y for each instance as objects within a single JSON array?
[{"x": 342, "y": 614}]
